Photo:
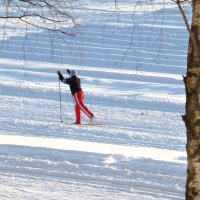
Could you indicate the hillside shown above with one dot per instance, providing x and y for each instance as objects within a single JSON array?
[{"x": 131, "y": 61}]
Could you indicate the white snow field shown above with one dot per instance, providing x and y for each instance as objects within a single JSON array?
[{"x": 131, "y": 58}]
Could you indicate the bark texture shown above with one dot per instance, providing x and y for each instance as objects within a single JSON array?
[{"x": 192, "y": 116}]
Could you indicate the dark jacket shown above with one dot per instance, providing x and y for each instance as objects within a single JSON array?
[{"x": 74, "y": 83}]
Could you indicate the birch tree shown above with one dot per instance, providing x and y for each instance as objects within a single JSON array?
[{"x": 192, "y": 107}]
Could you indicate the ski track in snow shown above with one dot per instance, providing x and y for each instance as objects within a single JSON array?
[{"x": 137, "y": 149}]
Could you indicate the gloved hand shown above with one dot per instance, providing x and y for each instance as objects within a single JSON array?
[
  {"x": 60, "y": 76},
  {"x": 58, "y": 72},
  {"x": 68, "y": 71}
]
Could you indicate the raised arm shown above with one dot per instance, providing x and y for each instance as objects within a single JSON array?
[{"x": 64, "y": 80}]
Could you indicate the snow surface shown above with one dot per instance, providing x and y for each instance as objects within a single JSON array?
[{"x": 131, "y": 59}]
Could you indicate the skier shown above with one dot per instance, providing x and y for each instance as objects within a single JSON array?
[{"x": 75, "y": 86}]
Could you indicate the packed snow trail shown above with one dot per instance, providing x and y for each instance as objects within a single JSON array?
[
  {"x": 91, "y": 147},
  {"x": 51, "y": 173},
  {"x": 138, "y": 120},
  {"x": 137, "y": 153}
]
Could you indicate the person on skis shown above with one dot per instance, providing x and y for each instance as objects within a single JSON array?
[{"x": 75, "y": 86}]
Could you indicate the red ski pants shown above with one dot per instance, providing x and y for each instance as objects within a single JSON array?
[{"x": 79, "y": 105}]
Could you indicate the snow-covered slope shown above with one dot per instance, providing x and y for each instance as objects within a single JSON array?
[{"x": 131, "y": 66}]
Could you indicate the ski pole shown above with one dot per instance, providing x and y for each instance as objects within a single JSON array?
[{"x": 60, "y": 103}]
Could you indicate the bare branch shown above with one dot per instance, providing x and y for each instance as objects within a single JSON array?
[
  {"x": 43, "y": 14},
  {"x": 194, "y": 41}
]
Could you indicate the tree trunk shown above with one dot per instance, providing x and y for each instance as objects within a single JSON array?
[{"x": 192, "y": 117}]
